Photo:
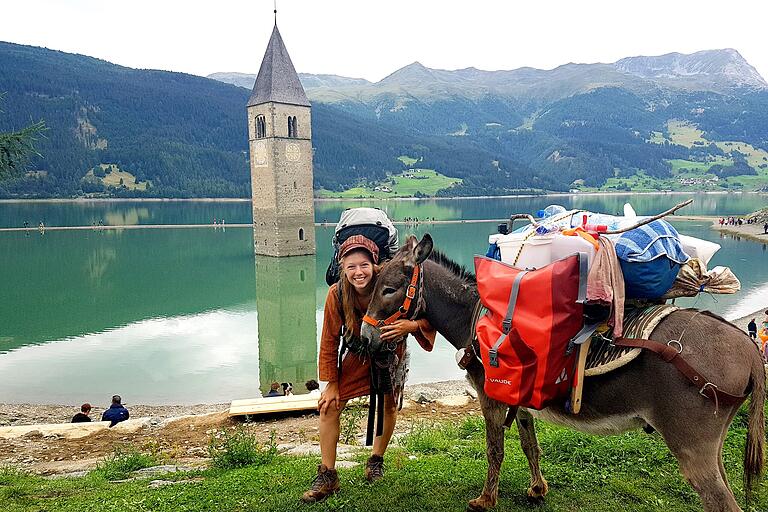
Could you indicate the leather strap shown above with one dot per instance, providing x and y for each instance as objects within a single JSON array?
[
  {"x": 671, "y": 354},
  {"x": 410, "y": 294},
  {"x": 466, "y": 355}
]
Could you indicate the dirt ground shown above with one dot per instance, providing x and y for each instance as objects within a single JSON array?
[{"x": 184, "y": 441}]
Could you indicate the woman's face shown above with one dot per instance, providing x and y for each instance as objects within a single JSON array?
[{"x": 358, "y": 268}]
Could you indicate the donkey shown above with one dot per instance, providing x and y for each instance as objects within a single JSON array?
[{"x": 645, "y": 393}]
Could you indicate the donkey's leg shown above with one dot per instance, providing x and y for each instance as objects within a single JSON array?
[
  {"x": 700, "y": 463},
  {"x": 530, "y": 445},
  {"x": 494, "y": 413},
  {"x": 723, "y": 435}
]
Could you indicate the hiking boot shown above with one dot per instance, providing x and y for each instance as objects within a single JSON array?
[
  {"x": 374, "y": 468},
  {"x": 326, "y": 483}
]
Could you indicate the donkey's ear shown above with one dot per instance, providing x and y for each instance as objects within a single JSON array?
[{"x": 421, "y": 252}]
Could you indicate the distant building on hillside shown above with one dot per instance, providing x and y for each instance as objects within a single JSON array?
[{"x": 280, "y": 141}]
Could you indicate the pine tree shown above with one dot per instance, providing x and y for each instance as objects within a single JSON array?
[{"x": 16, "y": 148}]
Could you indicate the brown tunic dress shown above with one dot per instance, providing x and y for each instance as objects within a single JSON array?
[{"x": 355, "y": 370}]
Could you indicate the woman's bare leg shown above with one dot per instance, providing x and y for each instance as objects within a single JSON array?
[{"x": 330, "y": 426}]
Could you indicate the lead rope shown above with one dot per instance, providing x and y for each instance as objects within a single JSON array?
[{"x": 381, "y": 384}]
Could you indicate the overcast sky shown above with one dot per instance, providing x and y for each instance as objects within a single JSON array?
[{"x": 370, "y": 39}]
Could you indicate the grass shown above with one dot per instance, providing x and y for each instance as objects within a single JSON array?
[
  {"x": 684, "y": 133},
  {"x": 407, "y": 160},
  {"x": 435, "y": 467},
  {"x": 688, "y": 166},
  {"x": 123, "y": 462},
  {"x": 410, "y": 183},
  {"x": 113, "y": 178},
  {"x": 755, "y": 157}
]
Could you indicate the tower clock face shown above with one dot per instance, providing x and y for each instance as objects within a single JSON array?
[
  {"x": 292, "y": 152},
  {"x": 260, "y": 153}
]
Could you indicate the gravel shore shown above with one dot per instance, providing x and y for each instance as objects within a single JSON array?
[{"x": 30, "y": 414}]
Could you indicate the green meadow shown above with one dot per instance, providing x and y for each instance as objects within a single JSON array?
[
  {"x": 411, "y": 183},
  {"x": 433, "y": 467}
]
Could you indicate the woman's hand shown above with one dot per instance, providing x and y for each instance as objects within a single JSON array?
[
  {"x": 398, "y": 329},
  {"x": 329, "y": 398}
]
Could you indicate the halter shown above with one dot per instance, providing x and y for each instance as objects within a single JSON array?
[{"x": 410, "y": 294}]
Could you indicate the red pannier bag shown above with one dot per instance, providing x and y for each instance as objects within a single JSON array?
[{"x": 525, "y": 337}]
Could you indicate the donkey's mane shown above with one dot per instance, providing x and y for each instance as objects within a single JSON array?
[{"x": 459, "y": 271}]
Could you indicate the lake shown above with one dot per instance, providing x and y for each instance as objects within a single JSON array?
[{"x": 187, "y": 316}]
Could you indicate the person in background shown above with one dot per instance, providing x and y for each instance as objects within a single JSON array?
[
  {"x": 82, "y": 416},
  {"x": 313, "y": 387},
  {"x": 116, "y": 412},
  {"x": 274, "y": 390},
  {"x": 752, "y": 329}
]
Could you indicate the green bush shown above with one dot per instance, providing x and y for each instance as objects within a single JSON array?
[
  {"x": 240, "y": 448},
  {"x": 123, "y": 462},
  {"x": 350, "y": 421}
]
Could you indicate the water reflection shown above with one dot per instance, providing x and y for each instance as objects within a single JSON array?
[
  {"x": 87, "y": 213},
  {"x": 189, "y": 315},
  {"x": 126, "y": 216},
  {"x": 286, "y": 304}
]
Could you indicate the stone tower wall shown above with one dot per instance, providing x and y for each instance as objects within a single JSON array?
[{"x": 281, "y": 181}]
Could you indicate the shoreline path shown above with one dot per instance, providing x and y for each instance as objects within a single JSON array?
[{"x": 321, "y": 224}]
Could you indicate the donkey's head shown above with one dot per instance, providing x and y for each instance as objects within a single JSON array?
[{"x": 397, "y": 291}]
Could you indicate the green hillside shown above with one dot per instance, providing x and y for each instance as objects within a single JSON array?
[{"x": 178, "y": 135}]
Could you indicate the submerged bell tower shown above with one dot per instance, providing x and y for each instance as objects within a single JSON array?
[{"x": 280, "y": 143}]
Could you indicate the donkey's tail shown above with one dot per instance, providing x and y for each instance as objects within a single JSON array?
[{"x": 754, "y": 451}]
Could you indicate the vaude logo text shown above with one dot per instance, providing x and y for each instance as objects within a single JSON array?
[{"x": 500, "y": 381}]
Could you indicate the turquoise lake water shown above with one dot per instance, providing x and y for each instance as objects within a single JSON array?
[{"x": 191, "y": 316}]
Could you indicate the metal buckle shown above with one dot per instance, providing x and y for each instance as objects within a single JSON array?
[
  {"x": 708, "y": 384},
  {"x": 493, "y": 358},
  {"x": 680, "y": 350},
  {"x": 411, "y": 291}
]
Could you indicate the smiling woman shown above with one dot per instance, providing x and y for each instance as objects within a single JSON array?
[{"x": 350, "y": 376}]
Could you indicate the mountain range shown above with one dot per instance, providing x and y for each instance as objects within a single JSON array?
[
  {"x": 578, "y": 125},
  {"x": 719, "y": 71}
]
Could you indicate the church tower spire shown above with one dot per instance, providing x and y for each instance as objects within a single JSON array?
[
  {"x": 277, "y": 79},
  {"x": 280, "y": 142}
]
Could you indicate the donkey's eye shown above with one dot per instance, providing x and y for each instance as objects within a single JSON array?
[{"x": 388, "y": 291}]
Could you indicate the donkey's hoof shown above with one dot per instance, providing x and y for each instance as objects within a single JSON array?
[
  {"x": 537, "y": 491},
  {"x": 481, "y": 504}
]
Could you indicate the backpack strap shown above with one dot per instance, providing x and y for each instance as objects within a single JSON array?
[{"x": 506, "y": 325}]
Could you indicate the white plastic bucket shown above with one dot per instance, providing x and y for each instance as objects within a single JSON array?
[
  {"x": 563, "y": 245},
  {"x": 525, "y": 251}
]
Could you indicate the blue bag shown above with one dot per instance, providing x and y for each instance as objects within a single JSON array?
[{"x": 650, "y": 257}]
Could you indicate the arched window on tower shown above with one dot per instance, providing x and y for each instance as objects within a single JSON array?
[
  {"x": 292, "y": 127},
  {"x": 301, "y": 233},
  {"x": 261, "y": 127}
]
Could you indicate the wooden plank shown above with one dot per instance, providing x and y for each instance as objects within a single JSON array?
[{"x": 255, "y": 406}]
